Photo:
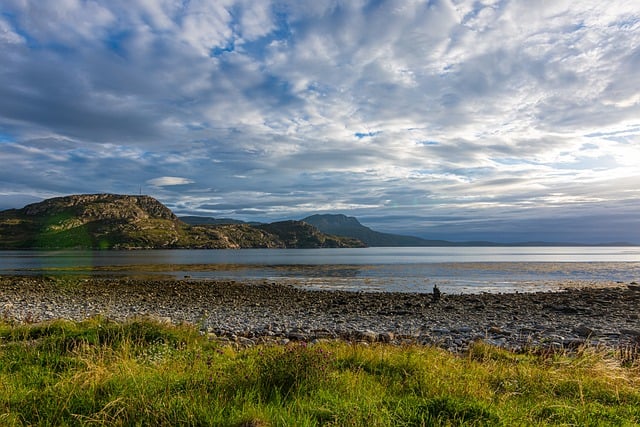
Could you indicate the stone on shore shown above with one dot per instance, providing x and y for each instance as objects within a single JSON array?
[{"x": 249, "y": 314}]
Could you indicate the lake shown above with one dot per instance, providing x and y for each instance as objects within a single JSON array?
[{"x": 452, "y": 269}]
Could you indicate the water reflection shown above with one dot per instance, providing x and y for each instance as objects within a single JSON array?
[{"x": 454, "y": 270}]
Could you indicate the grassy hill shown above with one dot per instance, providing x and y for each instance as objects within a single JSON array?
[
  {"x": 300, "y": 234},
  {"x": 90, "y": 221},
  {"x": 110, "y": 221}
]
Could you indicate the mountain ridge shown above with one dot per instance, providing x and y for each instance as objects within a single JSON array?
[
  {"x": 112, "y": 221},
  {"x": 342, "y": 225},
  {"x": 208, "y": 220}
]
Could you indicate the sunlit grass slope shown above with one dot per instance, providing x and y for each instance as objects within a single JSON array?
[{"x": 142, "y": 372}]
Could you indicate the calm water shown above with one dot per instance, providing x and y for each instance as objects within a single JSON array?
[{"x": 454, "y": 270}]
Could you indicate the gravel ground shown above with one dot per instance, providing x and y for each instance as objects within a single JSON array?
[{"x": 247, "y": 314}]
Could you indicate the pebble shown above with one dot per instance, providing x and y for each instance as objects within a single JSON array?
[{"x": 247, "y": 314}]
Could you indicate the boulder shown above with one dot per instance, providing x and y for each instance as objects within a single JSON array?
[{"x": 583, "y": 331}]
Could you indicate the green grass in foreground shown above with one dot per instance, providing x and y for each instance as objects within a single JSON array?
[{"x": 100, "y": 372}]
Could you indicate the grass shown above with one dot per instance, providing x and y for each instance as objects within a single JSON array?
[{"x": 141, "y": 372}]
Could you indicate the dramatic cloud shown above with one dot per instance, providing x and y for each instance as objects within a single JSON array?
[{"x": 498, "y": 120}]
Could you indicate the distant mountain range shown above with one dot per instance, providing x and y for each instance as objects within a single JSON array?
[
  {"x": 110, "y": 221},
  {"x": 348, "y": 226},
  {"x": 207, "y": 220},
  {"x": 342, "y": 225}
]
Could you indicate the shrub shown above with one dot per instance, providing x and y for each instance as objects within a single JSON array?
[{"x": 294, "y": 368}]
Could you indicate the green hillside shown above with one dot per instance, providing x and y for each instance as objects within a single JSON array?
[{"x": 110, "y": 221}]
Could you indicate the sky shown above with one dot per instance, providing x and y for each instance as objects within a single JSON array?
[{"x": 502, "y": 120}]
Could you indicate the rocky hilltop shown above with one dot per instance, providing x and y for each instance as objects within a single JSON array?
[
  {"x": 93, "y": 207},
  {"x": 111, "y": 221}
]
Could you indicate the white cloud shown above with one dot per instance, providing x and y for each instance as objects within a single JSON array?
[
  {"x": 499, "y": 103},
  {"x": 205, "y": 25},
  {"x": 256, "y": 19},
  {"x": 165, "y": 181},
  {"x": 8, "y": 35}
]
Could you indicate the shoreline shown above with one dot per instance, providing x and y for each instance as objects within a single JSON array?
[{"x": 249, "y": 314}]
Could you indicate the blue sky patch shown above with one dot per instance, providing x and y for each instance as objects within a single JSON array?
[{"x": 370, "y": 134}]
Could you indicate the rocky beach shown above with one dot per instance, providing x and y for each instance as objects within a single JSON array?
[{"x": 247, "y": 314}]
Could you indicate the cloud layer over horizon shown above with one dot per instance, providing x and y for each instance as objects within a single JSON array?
[{"x": 498, "y": 120}]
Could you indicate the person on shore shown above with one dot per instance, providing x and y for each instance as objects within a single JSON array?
[{"x": 436, "y": 293}]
